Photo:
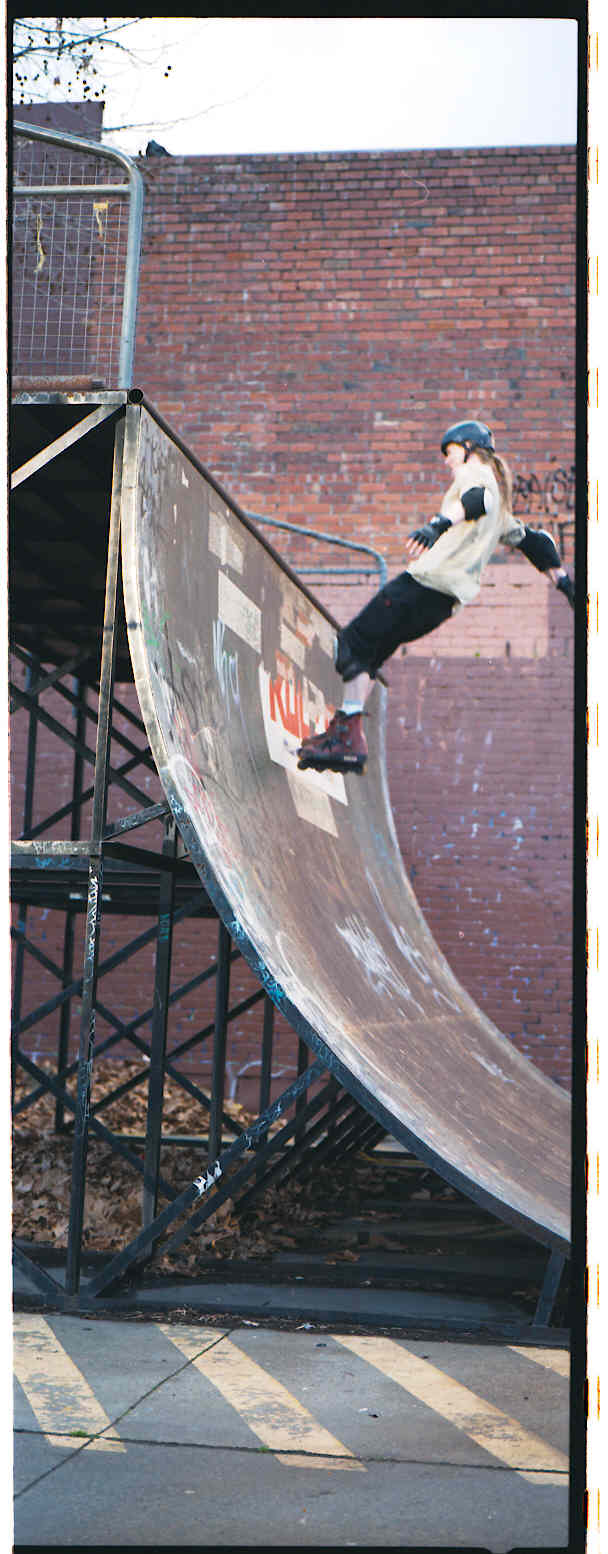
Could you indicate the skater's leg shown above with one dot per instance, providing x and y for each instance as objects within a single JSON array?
[
  {"x": 541, "y": 550},
  {"x": 563, "y": 581},
  {"x": 400, "y": 612},
  {"x": 356, "y": 693}
]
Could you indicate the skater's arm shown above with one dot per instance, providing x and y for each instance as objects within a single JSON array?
[
  {"x": 541, "y": 550},
  {"x": 466, "y": 507}
]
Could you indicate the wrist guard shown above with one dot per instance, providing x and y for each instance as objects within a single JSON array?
[
  {"x": 431, "y": 531},
  {"x": 474, "y": 502},
  {"x": 566, "y": 586},
  {"x": 538, "y": 546}
]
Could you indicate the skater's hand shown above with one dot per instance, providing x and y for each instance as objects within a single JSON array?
[
  {"x": 414, "y": 548},
  {"x": 423, "y": 538}
]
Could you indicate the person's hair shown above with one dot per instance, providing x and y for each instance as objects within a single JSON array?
[{"x": 504, "y": 478}]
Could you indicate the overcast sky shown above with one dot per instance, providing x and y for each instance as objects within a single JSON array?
[{"x": 271, "y": 84}]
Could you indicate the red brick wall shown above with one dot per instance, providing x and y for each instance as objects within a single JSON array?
[
  {"x": 310, "y": 325},
  {"x": 480, "y": 764}
]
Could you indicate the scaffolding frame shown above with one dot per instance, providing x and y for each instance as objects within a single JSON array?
[{"x": 311, "y": 1121}]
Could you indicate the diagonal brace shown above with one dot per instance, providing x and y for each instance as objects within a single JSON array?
[
  {"x": 61, "y": 444},
  {"x": 191, "y": 1194}
]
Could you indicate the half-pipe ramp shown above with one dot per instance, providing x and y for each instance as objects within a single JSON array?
[{"x": 233, "y": 663}]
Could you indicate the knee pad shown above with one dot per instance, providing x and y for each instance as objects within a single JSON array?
[{"x": 540, "y": 549}]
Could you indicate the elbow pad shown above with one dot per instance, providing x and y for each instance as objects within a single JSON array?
[
  {"x": 540, "y": 549},
  {"x": 431, "y": 531},
  {"x": 474, "y": 502}
]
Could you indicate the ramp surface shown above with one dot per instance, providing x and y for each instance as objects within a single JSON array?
[{"x": 233, "y": 664}]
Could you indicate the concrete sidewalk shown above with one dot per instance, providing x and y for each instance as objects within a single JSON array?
[{"x": 159, "y": 1434}]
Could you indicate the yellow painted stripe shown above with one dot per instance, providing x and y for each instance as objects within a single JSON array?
[
  {"x": 273, "y": 1414},
  {"x": 498, "y": 1434},
  {"x": 556, "y": 1480},
  {"x": 557, "y": 1360},
  {"x": 330, "y": 1463},
  {"x": 56, "y": 1390}
]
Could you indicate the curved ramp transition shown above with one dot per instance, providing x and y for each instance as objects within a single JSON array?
[{"x": 233, "y": 663}]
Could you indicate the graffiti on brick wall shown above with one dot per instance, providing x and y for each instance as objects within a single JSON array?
[
  {"x": 550, "y": 499},
  {"x": 551, "y": 495}
]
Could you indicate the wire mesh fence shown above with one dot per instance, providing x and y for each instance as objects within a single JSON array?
[{"x": 72, "y": 262}]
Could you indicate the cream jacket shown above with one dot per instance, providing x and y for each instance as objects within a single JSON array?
[{"x": 455, "y": 563}]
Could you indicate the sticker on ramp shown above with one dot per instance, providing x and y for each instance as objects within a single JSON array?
[
  {"x": 222, "y": 543},
  {"x": 239, "y": 612},
  {"x": 312, "y": 804}
]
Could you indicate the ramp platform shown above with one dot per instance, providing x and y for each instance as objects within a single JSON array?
[{"x": 233, "y": 663}]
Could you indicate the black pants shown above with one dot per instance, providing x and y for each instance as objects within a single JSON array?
[{"x": 401, "y": 611}]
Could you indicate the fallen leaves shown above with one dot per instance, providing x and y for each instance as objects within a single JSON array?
[
  {"x": 114, "y": 1189},
  {"x": 302, "y": 1214}
]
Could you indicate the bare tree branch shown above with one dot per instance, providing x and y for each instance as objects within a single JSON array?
[
  {"x": 55, "y": 40},
  {"x": 228, "y": 102},
  {"x": 66, "y": 52}
]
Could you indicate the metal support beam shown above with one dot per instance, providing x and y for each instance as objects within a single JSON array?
[
  {"x": 219, "y": 1042},
  {"x": 303, "y": 1057},
  {"x": 57, "y": 728},
  {"x": 301, "y": 1155},
  {"x": 549, "y": 1290},
  {"x": 267, "y": 1045},
  {"x": 68, "y": 938},
  {"x": 114, "y": 1140},
  {"x": 28, "y": 808},
  {"x": 192, "y": 1194},
  {"x": 52, "y": 676},
  {"x": 266, "y": 1061},
  {"x": 91, "y": 961},
  {"x": 42, "y": 1280},
  {"x": 267, "y": 1146},
  {"x": 158, "y": 1045}
]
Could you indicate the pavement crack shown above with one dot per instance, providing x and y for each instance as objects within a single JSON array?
[
  {"x": 162, "y": 1382},
  {"x": 55, "y": 1466}
]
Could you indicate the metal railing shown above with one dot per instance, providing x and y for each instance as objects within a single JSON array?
[
  {"x": 331, "y": 576},
  {"x": 70, "y": 254}
]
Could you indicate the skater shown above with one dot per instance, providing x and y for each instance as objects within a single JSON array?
[{"x": 448, "y": 555}]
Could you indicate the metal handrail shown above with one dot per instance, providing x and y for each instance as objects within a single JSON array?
[
  {"x": 332, "y": 539},
  {"x": 135, "y": 189}
]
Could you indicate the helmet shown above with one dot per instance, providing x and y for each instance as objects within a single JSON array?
[{"x": 471, "y": 434}]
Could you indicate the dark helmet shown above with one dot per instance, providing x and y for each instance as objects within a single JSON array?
[{"x": 471, "y": 434}]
